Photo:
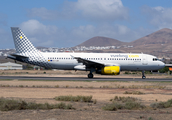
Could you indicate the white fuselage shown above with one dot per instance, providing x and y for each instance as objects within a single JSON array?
[{"x": 126, "y": 61}]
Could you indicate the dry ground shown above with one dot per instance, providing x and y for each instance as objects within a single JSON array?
[{"x": 45, "y": 91}]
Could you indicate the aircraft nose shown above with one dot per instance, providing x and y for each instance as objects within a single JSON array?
[{"x": 162, "y": 64}]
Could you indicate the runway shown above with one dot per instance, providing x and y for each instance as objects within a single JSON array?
[{"x": 82, "y": 79}]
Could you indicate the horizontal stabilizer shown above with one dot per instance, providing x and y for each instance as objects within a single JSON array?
[
  {"x": 168, "y": 65},
  {"x": 17, "y": 55}
]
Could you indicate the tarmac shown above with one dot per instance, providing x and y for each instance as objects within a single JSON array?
[{"x": 82, "y": 79}]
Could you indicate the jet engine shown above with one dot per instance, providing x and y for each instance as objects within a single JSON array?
[{"x": 110, "y": 70}]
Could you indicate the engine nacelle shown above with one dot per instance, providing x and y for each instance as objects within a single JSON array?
[
  {"x": 80, "y": 67},
  {"x": 110, "y": 70}
]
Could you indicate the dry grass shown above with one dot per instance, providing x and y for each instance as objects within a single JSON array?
[
  {"x": 11, "y": 104},
  {"x": 166, "y": 104},
  {"x": 78, "y": 98},
  {"x": 123, "y": 103},
  {"x": 134, "y": 92}
]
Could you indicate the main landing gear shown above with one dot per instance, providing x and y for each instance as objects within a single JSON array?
[
  {"x": 143, "y": 75},
  {"x": 90, "y": 75}
]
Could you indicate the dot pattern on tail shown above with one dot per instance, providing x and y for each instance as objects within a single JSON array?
[{"x": 25, "y": 47}]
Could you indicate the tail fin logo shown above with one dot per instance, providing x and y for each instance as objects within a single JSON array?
[{"x": 21, "y": 37}]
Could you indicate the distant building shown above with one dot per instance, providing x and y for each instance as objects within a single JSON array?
[{"x": 10, "y": 66}]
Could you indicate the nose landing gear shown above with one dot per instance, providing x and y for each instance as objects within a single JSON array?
[{"x": 143, "y": 75}]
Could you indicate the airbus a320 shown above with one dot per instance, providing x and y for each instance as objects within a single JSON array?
[{"x": 99, "y": 63}]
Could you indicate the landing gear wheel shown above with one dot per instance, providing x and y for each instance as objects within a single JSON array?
[
  {"x": 90, "y": 75},
  {"x": 143, "y": 77}
]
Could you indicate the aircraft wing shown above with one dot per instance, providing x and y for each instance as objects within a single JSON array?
[{"x": 90, "y": 63}]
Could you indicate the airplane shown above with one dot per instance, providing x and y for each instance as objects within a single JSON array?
[{"x": 100, "y": 63}]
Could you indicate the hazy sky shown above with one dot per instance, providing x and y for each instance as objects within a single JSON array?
[{"x": 66, "y": 23}]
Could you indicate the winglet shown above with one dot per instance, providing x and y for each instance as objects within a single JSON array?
[{"x": 72, "y": 56}]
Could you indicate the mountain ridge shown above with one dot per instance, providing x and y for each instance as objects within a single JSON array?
[{"x": 162, "y": 36}]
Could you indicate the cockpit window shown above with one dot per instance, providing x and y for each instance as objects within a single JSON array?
[{"x": 155, "y": 59}]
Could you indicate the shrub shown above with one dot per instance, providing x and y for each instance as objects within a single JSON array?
[
  {"x": 128, "y": 105},
  {"x": 21, "y": 86},
  {"x": 148, "y": 72},
  {"x": 133, "y": 105},
  {"x": 134, "y": 92},
  {"x": 112, "y": 107},
  {"x": 94, "y": 101},
  {"x": 123, "y": 103},
  {"x": 162, "y": 104},
  {"x": 150, "y": 118},
  {"x": 10, "y": 104},
  {"x": 57, "y": 86},
  {"x": 163, "y": 70},
  {"x": 126, "y": 72},
  {"x": 74, "y": 98},
  {"x": 123, "y": 99}
]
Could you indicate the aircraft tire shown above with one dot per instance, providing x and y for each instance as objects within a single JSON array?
[{"x": 90, "y": 75}]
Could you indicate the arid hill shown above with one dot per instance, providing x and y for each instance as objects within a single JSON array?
[
  {"x": 101, "y": 41},
  {"x": 163, "y": 36}
]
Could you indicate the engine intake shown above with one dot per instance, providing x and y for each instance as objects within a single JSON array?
[{"x": 110, "y": 70}]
